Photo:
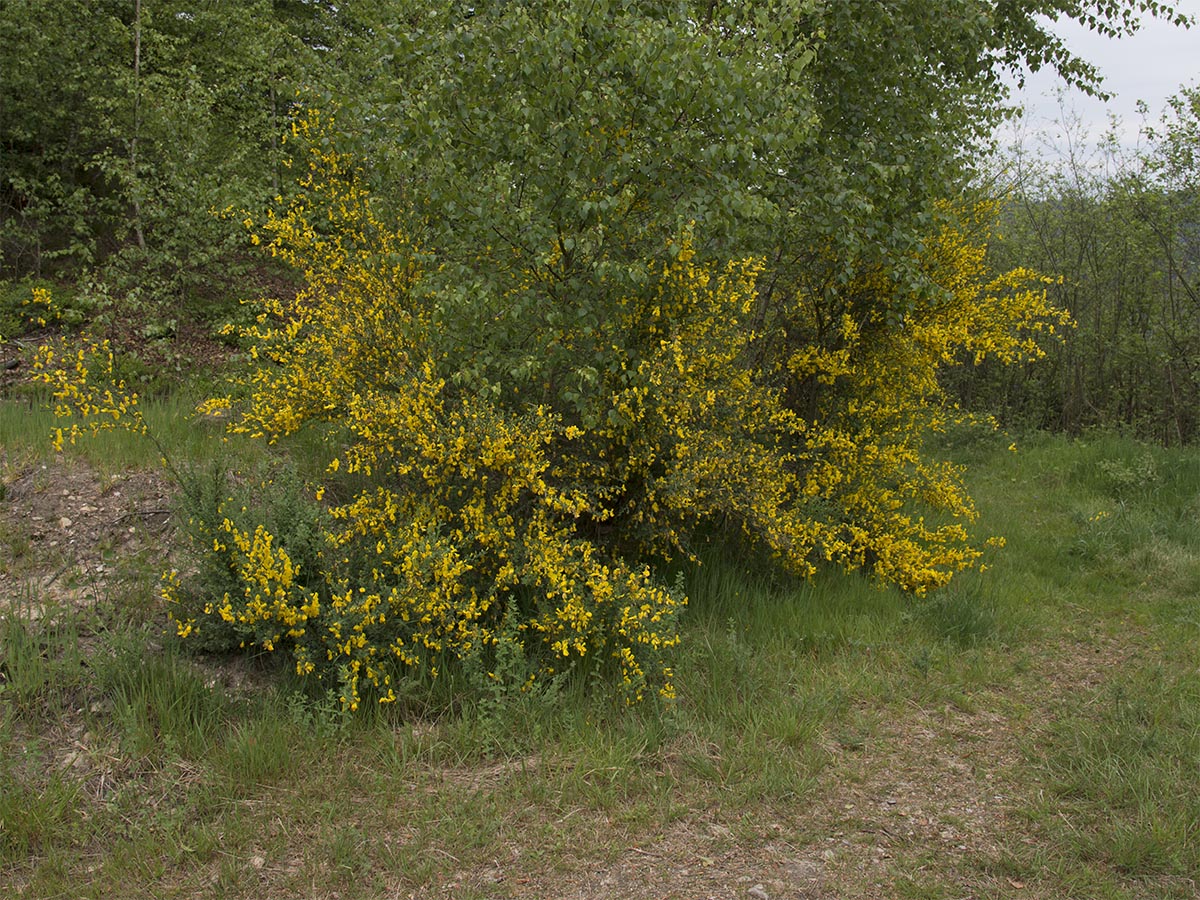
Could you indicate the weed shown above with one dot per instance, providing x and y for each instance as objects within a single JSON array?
[
  {"x": 261, "y": 749},
  {"x": 158, "y": 703},
  {"x": 321, "y": 716},
  {"x": 35, "y": 814}
]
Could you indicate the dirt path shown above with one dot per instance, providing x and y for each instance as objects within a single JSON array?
[
  {"x": 926, "y": 794},
  {"x": 927, "y": 806}
]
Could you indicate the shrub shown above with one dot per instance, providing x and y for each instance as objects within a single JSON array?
[{"x": 502, "y": 469}]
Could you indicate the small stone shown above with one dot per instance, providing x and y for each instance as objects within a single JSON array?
[
  {"x": 803, "y": 870},
  {"x": 758, "y": 892},
  {"x": 257, "y": 861},
  {"x": 64, "y": 522}
]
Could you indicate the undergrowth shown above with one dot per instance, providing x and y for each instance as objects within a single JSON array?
[{"x": 105, "y": 719}]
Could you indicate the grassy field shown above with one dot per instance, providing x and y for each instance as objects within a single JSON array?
[{"x": 1033, "y": 731}]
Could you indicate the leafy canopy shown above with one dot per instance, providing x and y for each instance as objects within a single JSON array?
[{"x": 586, "y": 282}]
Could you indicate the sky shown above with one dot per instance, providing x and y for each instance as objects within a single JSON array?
[{"x": 1151, "y": 65}]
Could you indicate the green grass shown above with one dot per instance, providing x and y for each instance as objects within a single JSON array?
[
  {"x": 1105, "y": 541},
  {"x": 41, "y": 660},
  {"x": 27, "y": 425},
  {"x": 1118, "y": 760},
  {"x": 128, "y": 768}
]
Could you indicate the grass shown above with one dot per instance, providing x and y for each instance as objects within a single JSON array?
[
  {"x": 810, "y": 716},
  {"x": 26, "y": 426}
]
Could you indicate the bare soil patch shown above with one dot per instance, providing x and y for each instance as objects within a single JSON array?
[{"x": 67, "y": 530}]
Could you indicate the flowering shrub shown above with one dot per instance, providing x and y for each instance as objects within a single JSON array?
[
  {"x": 86, "y": 389},
  {"x": 500, "y": 465},
  {"x": 864, "y": 381},
  {"x": 463, "y": 534}
]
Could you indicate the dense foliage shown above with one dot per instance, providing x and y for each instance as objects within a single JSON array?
[
  {"x": 128, "y": 122},
  {"x": 1120, "y": 227},
  {"x": 584, "y": 284}
]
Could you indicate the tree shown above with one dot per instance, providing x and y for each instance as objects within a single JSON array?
[
  {"x": 127, "y": 123},
  {"x": 586, "y": 282},
  {"x": 1120, "y": 232}
]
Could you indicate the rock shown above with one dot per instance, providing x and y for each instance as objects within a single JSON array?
[
  {"x": 64, "y": 522},
  {"x": 758, "y": 892},
  {"x": 803, "y": 870}
]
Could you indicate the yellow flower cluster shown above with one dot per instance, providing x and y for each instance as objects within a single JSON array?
[
  {"x": 86, "y": 389},
  {"x": 43, "y": 309},
  {"x": 868, "y": 394},
  {"x": 464, "y": 534},
  {"x": 492, "y": 489}
]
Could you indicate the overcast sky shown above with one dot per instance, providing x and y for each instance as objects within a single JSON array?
[{"x": 1151, "y": 66}]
